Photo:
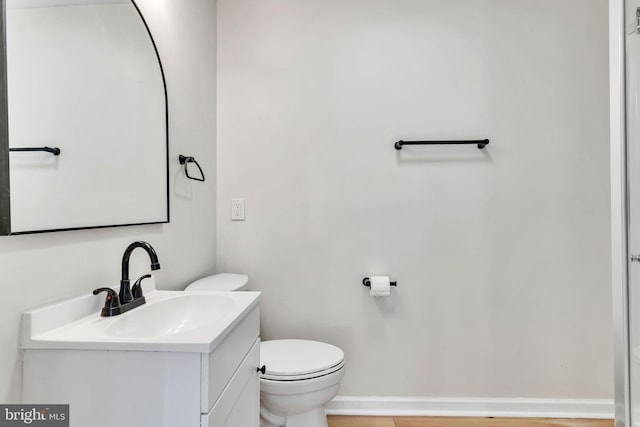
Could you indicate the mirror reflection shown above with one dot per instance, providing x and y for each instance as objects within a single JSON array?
[{"x": 84, "y": 78}]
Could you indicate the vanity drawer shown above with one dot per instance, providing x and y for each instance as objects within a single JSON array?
[
  {"x": 239, "y": 403},
  {"x": 220, "y": 365}
]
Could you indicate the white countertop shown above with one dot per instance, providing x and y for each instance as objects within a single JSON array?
[{"x": 76, "y": 323}]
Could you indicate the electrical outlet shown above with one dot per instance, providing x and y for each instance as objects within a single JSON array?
[{"x": 237, "y": 209}]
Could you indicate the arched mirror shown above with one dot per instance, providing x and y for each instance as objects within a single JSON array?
[{"x": 87, "y": 116}]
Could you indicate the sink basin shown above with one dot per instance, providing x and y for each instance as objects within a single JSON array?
[
  {"x": 171, "y": 316},
  {"x": 174, "y": 321}
]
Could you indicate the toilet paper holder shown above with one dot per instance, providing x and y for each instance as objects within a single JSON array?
[{"x": 367, "y": 282}]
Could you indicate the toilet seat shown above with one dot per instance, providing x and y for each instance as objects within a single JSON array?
[
  {"x": 303, "y": 377},
  {"x": 298, "y": 387},
  {"x": 295, "y": 360}
]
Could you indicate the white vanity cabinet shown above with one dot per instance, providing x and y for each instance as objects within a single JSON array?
[
  {"x": 134, "y": 388},
  {"x": 231, "y": 391}
]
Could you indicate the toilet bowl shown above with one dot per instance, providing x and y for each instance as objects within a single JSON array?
[{"x": 300, "y": 377}]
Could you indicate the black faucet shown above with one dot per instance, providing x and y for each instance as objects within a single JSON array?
[
  {"x": 125, "y": 288},
  {"x": 125, "y": 300}
]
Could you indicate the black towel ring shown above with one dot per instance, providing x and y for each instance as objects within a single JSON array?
[{"x": 185, "y": 160}]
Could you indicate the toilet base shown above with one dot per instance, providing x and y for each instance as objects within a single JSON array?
[{"x": 315, "y": 418}]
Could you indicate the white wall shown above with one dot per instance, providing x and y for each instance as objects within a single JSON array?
[
  {"x": 502, "y": 256},
  {"x": 38, "y": 269}
]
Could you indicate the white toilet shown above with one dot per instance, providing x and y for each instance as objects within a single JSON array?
[{"x": 300, "y": 376}]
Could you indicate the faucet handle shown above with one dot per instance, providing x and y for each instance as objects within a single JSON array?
[
  {"x": 112, "y": 302},
  {"x": 136, "y": 289}
]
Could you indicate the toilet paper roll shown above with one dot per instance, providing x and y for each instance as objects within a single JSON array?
[{"x": 380, "y": 286}]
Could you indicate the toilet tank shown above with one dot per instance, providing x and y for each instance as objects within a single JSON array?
[{"x": 219, "y": 282}]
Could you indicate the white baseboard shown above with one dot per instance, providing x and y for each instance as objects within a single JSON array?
[{"x": 471, "y": 407}]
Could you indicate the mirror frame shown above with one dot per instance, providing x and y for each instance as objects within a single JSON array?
[{"x": 5, "y": 188}]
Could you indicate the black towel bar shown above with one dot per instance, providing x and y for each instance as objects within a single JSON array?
[
  {"x": 53, "y": 150},
  {"x": 481, "y": 143}
]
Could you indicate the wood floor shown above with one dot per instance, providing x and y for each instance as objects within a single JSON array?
[{"x": 342, "y": 421}]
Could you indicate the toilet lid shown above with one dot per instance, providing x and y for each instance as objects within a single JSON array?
[
  {"x": 298, "y": 357},
  {"x": 219, "y": 282}
]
